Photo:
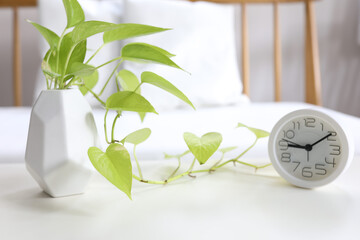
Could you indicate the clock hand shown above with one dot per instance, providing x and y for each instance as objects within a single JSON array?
[
  {"x": 291, "y": 142},
  {"x": 307, "y": 154},
  {"x": 296, "y": 146},
  {"x": 307, "y": 147},
  {"x": 321, "y": 139}
]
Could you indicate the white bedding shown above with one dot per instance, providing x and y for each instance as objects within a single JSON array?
[{"x": 168, "y": 127}]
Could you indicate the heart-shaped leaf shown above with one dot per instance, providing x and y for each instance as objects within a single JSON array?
[
  {"x": 137, "y": 137},
  {"x": 90, "y": 28},
  {"x": 128, "y": 81},
  {"x": 129, "y": 101},
  {"x": 146, "y": 53},
  {"x": 89, "y": 82},
  {"x": 74, "y": 13},
  {"x": 258, "y": 132},
  {"x": 114, "y": 165},
  {"x": 203, "y": 148},
  {"x": 81, "y": 69},
  {"x": 51, "y": 37},
  {"x": 160, "y": 82},
  {"x": 129, "y": 30}
]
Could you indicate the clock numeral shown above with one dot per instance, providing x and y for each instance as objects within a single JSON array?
[
  {"x": 298, "y": 164},
  {"x": 336, "y": 150},
  {"x": 286, "y": 157},
  {"x": 296, "y": 125},
  {"x": 321, "y": 169},
  {"x": 322, "y": 126},
  {"x": 331, "y": 163},
  {"x": 283, "y": 145},
  {"x": 289, "y": 134},
  {"x": 332, "y": 136},
  {"x": 310, "y": 122},
  {"x": 306, "y": 172}
]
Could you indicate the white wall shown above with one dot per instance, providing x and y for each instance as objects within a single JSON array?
[{"x": 339, "y": 53}]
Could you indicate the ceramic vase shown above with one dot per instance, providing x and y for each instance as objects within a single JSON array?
[{"x": 62, "y": 128}]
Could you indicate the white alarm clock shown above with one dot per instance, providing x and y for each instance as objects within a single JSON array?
[{"x": 308, "y": 148}]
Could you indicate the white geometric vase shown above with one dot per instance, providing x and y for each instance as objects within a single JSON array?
[{"x": 62, "y": 128}]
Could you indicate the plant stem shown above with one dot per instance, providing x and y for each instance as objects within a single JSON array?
[
  {"x": 138, "y": 87},
  {"x": 47, "y": 80},
  {"x": 58, "y": 54},
  {"x": 148, "y": 181},
  {"x": 218, "y": 162},
  {"x": 96, "y": 96},
  {"x": 66, "y": 65},
  {"x": 113, "y": 127},
  {"x": 178, "y": 167},
  {"x": 137, "y": 163},
  {"x": 198, "y": 171},
  {"x": 105, "y": 130},
  {"x": 102, "y": 90},
  {"x": 117, "y": 83},
  {"x": 108, "y": 62},
  {"x": 71, "y": 81},
  {"x": 251, "y": 146},
  {"x": 188, "y": 172},
  {"x": 96, "y": 52}
]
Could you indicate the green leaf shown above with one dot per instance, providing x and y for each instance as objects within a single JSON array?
[
  {"x": 160, "y": 82},
  {"x": 227, "y": 149},
  {"x": 137, "y": 137},
  {"x": 258, "y": 132},
  {"x": 114, "y": 165},
  {"x": 89, "y": 81},
  {"x": 90, "y": 28},
  {"x": 129, "y": 30},
  {"x": 128, "y": 81},
  {"x": 45, "y": 67},
  {"x": 142, "y": 116},
  {"x": 129, "y": 101},
  {"x": 51, "y": 37},
  {"x": 48, "y": 65},
  {"x": 203, "y": 148},
  {"x": 169, "y": 156},
  {"x": 81, "y": 69},
  {"x": 71, "y": 52},
  {"x": 146, "y": 53},
  {"x": 74, "y": 13}
]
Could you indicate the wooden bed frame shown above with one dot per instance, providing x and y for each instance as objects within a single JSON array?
[{"x": 312, "y": 66}]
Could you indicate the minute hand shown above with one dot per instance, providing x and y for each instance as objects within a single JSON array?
[{"x": 321, "y": 139}]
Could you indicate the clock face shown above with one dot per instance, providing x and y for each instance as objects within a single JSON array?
[{"x": 308, "y": 148}]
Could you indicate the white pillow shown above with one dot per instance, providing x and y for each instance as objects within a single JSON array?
[
  {"x": 52, "y": 15},
  {"x": 203, "y": 40}
]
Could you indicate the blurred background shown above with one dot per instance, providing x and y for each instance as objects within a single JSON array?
[{"x": 338, "y": 25}]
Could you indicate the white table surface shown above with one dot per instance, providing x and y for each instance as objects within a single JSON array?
[{"x": 232, "y": 203}]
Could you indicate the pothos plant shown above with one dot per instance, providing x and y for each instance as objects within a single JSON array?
[{"x": 64, "y": 67}]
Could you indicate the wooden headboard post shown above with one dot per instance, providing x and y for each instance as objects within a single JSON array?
[{"x": 17, "y": 82}]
